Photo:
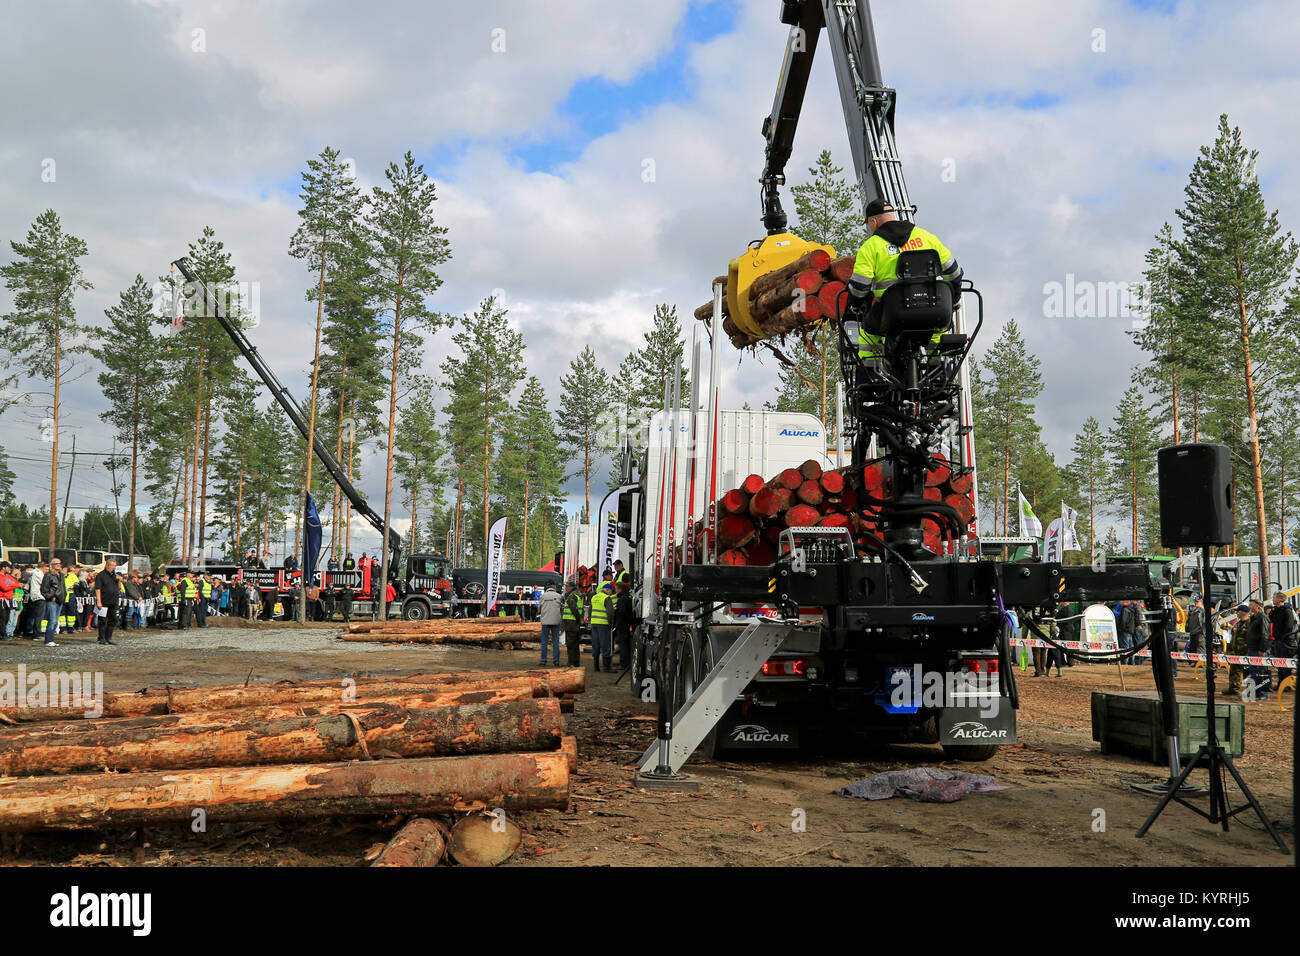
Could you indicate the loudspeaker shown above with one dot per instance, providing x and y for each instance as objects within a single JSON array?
[{"x": 1195, "y": 495}]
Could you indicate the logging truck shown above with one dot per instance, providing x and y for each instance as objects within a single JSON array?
[{"x": 867, "y": 605}]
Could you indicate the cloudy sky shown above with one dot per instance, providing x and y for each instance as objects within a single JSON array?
[{"x": 1040, "y": 140}]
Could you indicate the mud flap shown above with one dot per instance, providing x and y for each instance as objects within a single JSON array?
[
  {"x": 976, "y": 726},
  {"x": 763, "y": 728}
]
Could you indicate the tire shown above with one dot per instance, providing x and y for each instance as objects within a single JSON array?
[
  {"x": 415, "y": 611},
  {"x": 638, "y": 673},
  {"x": 709, "y": 746},
  {"x": 688, "y": 674},
  {"x": 970, "y": 753}
]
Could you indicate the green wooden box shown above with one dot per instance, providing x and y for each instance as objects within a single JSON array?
[{"x": 1129, "y": 722}]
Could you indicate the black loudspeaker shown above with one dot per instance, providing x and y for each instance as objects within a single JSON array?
[{"x": 1195, "y": 495}]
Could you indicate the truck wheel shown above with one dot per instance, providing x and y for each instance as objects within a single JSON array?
[
  {"x": 415, "y": 611},
  {"x": 688, "y": 674},
  {"x": 970, "y": 753},
  {"x": 709, "y": 746},
  {"x": 638, "y": 673}
]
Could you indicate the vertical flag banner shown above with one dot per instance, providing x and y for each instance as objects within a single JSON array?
[
  {"x": 1071, "y": 537},
  {"x": 1030, "y": 526},
  {"x": 608, "y": 533},
  {"x": 310, "y": 547},
  {"x": 1052, "y": 542},
  {"x": 496, "y": 555}
]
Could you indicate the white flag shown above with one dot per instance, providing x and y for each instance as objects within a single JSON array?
[
  {"x": 1068, "y": 516},
  {"x": 608, "y": 533},
  {"x": 1030, "y": 526},
  {"x": 496, "y": 555},
  {"x": 1052, "y": 542}
]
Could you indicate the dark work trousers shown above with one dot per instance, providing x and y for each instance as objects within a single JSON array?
[
  {"x": 106, "y": 622},
  {"x": 346, "y": 603},
  {"x": 187, "y": 611},
  {"x": 201, "y": 611},
  {"x": 623, "y": 641},
  {"x": 573, "y": 643}
]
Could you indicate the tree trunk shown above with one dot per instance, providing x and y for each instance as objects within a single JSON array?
[
  {"x": 135, "y": 451},
  {"x": 54, "y": 453},
  {"x": 311, "y": 421},
  {"x": 336, "y": 515},
  {"x": 203, "y": 495},
  {"x": 1256, "y": 466},
  {"x": 234, "y": 740},
  {"x": 194, "y": 469},
  {"x": 302, "y": 791},
  {"x": 421, "y": 842},
  {"x": 380, "y": 602}
]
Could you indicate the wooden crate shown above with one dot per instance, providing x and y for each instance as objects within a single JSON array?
[{"x": 1129, "y": 722}]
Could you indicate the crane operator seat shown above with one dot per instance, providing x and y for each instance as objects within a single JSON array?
[{"x": 918, "y": 307}]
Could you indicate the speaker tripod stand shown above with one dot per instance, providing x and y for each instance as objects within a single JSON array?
[{"x": 1211, "y": 753}]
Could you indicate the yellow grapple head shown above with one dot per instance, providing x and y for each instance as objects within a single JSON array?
[{"x": 772, "y": 253}]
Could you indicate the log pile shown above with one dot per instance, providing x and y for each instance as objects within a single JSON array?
[
  {"x": 752, "y": 516},
  {"x": 795, "y": 298},
  {"x": 419, "y": 745},
  {"x": 507, "y": 633}
]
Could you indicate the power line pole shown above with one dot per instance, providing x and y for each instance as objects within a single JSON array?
[{"x": 68, "y": 494}]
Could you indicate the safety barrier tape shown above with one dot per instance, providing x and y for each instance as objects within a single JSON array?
[{"x": 1176, "y": 655}]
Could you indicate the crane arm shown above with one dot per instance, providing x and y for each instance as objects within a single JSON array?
[
  {"x": 212, "y": 309},
  {"x": 867, "y": 103}
]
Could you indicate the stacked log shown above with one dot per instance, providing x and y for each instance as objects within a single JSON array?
[
  {"x": 170, "y": 700},
  {"x": 807, "y": 496},
  {"x": 460, "y": 741},
  {"x": 795, "y": 298},
  {"x": 507, "y": 632}
]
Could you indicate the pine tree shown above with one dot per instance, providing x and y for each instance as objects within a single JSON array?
[
  {"x": 481, "y": 383},
  {"x": 201, "y": 360},
  {"x": 530, "y": 465},
  {"x": 828, "y": 212},
  {"x": 43, "y": 336},
  {"x": 7, "y": 478},
  {"x": 407, "y": 246},
  {"x": 1133, "y": 439},
  {"x": 1088, "y": 471},
  {"x": 331, "y": 203},
  {"x": 1004, "y": 385},
  {"x": 1238, "y": 261},
  {"x": 659, "y": 359},
  {"x": 419, "y": 448},
  {"x": 585, "y": 391},
  {"x": 353, "y": 377},
  {"x": 133, "y": 370}
]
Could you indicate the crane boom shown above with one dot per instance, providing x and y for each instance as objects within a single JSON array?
[
  {"x": 867, "y": 103},
  {"x": 212, "y": 309}
]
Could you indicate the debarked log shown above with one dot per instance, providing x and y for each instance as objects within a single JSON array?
[{"x": 518, "y": 781}]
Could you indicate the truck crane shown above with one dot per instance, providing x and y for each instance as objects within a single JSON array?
[
  {"x": 424, "y": 585},
  {"x": 824, "y": 638}
]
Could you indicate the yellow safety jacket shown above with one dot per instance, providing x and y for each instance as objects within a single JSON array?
[
  {"x": 876, "y": 269},
  {"x": 600, "y": 609},
  {"x": 205, "y": 588}
]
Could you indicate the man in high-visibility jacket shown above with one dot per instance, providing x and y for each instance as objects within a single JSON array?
[
  {"x": 602, "y": 604},
  {"x": 187, "y": 592},
  {"x": 571, "y": 623},
  {"x": 204, "y": 584},
  {"x": 621, "y": 574},
  {"x": 876, "y": 269}
]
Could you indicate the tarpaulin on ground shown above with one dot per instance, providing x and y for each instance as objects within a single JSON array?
[{"x": 923, "y": 784}]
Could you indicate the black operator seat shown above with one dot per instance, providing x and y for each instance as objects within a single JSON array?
[{"x": 917, "y": 309}]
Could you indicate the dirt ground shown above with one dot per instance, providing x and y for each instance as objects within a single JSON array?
[{"x": 743, "y": 813}]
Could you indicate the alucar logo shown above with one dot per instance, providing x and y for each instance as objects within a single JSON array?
[
  {"x": 790, "y": 431},
  {"x": 755, "y": 734},
  {"x": 974, "y": 730},
  {"x": 922, "y": 616}
]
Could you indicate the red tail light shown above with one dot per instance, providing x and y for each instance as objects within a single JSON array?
[
  {"x": 783, "y": 669},
  {"x": 989, "y": 666}
]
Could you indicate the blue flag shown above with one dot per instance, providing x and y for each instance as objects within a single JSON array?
[{"x": 311, "y": 546}]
